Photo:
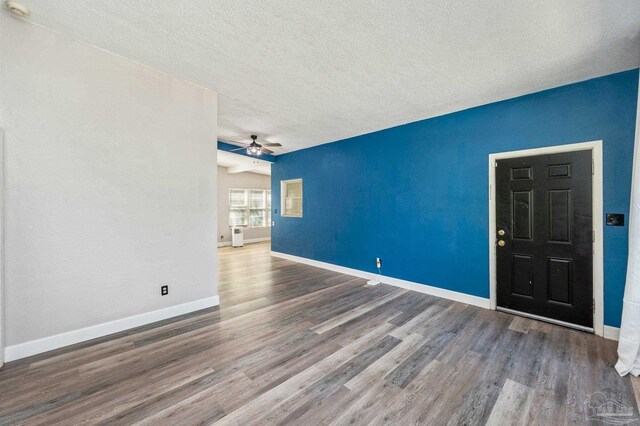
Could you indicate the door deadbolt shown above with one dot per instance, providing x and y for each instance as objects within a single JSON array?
[
  {"x": 501, "y": 232},
  {"x": 501, "y": 243}
]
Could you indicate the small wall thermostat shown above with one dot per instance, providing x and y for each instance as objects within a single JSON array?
[{"x": 615, "y": 219}]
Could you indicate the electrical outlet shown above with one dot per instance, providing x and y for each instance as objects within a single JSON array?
[
  {"x": 164, "y": 290},
  {"x": 378, "y": 263}
]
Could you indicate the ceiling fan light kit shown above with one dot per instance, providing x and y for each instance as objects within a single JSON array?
[{"x": 254, "y": 148}]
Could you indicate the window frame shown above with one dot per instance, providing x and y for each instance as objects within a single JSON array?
[
  {"x": 283, "y": 192},
  {"x": 266, "y": 193},
  {"x": 269, "y": 201},
  {"x": 244, "y": 207}
]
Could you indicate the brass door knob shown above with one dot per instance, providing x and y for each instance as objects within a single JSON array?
[
  {"x": 501, "y": 232},
  {"x": 501, "y": 243}
]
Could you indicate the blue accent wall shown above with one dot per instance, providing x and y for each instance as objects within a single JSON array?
[
  {"x": 416, "y": 195},
  {"x": 223, "y": 146}
]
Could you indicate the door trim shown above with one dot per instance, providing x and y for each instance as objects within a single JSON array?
[
  {"x": 597, "y": 209},
  {"x": 545, "y": 319},
  {"x": 2, "y": 293}
]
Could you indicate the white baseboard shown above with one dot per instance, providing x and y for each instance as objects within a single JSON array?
[
  {"x": 612, "y": 333},
  {"x": 252, "y": 240},
  {"x": 409, "y": 285},
  {"x": 23, "y": 350}
]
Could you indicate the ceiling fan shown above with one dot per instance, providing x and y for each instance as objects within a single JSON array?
[{"x": 254, "y": 148}]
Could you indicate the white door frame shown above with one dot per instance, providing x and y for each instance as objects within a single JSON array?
[
  {"x": 598, "y": 252},
  {"x": 2, "y": 183}
]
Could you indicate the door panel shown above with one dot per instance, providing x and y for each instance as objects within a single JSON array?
[
  {"x": 522, "y": 210},
  {"x": 522, "y": 271},
  {"x": 560, "y": 215},
  {"x": 544, "y": 209},
  {"x": 559, "y": 283}
]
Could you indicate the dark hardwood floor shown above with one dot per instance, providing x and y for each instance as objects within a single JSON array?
[{"x": 293, "y": 344}]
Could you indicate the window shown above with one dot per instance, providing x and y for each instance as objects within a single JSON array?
[
  {"x": 238, "y": 207},
  {"x": 268, "y": 207},
  {"x": 291, "y": 193},
  {"x": 250, "y": 207}
]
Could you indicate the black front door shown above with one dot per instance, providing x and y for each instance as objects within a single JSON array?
[{"x": 544, "y": 240}]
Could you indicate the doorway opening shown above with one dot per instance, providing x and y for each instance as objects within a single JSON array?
[{"x": 244, "y": 199}]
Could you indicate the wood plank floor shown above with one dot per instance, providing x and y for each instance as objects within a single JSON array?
[{"x": 293, "y": 344}]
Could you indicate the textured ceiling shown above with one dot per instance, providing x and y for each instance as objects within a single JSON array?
[
  {"x": 239, "y": 163},
  {"x": 305, "y": 72}
]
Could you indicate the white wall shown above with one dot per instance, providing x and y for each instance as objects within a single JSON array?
[
  {"x": 238, "y": 180},
  {"x": 110, "y": 187}
]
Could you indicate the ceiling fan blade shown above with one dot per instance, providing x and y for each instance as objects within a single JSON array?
[
  {"x": 271, "y": 144},
  {"x": 265, "y": 150},
  {"x": 238, "y": 149}
]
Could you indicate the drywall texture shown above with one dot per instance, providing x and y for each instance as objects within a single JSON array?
[
  {"x": 309, "y": 72},
  {"x": 417, "y": 195},
  {"x": 244, "y": 180},
  {"x": 110, "y": 185}
]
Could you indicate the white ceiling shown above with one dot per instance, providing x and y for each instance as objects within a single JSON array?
[
  {"x": 305, "y": 72},
  {"x": 236, "y": 163}
]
